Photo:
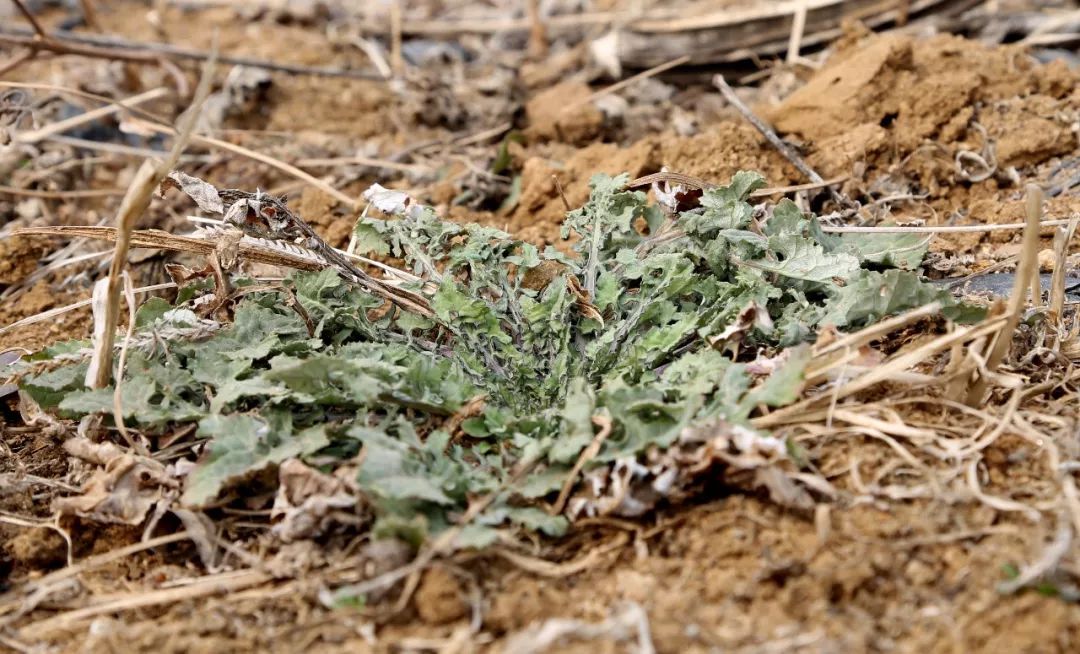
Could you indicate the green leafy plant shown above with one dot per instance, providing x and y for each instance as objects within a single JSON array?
[{"x": 652, "y": 331}]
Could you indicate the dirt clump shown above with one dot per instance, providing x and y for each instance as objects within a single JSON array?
[
  {"x": 439, "y": 598},
  {"x": 563, "y": 113},
  {"x": 1028, "y": 130},
  {"x": 724, "y": 575},
  {"x": 37, "y": 548},
  {"x": 929, "y": 89},
  {"x": 41, "y": 297},
  {"x": 723, "y": 150},
  {"x": 357, "y": 107},
  {"x": 540, "y": 210},
  {"x": 19, "y": 256},
  {"x": 321, "y": 210}
]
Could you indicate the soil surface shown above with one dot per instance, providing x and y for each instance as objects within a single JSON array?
[{"x": 908, "y": 557}]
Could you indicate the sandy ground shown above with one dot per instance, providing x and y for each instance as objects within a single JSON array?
[{"x": 905, "y": 559}]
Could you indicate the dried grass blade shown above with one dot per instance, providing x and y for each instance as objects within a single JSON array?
[
  {"x": 59, "y": 311},
  {"x": 106, "y": 299},
  {"x": 204, "y": 587},
  {"x": 1027, "y": 267},
  {"x": 881, "y": 373},
  {"x": 142, "y": 188},
  {"x": 262, "y": 158},
  {"x": 879, "y": 330},
  {"x": 90, "y": 116},
  {"x": 1062, "y": 238}
]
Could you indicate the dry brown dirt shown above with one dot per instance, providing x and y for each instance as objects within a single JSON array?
[{"x": 731, "y": 572}]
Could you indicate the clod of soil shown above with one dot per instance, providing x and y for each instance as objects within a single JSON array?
[
  {"x": 38, "y": 548},
  {"x": 918, "y": 90},
  {"x": 319, "y": 209},
  {"x": 19, "y": 256},
  {"x": 440, "y": 598},
  {"x": 563, "y": 113}
]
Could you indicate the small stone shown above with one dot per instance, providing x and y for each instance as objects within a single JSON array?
[{"x": 1047, "y": 260}]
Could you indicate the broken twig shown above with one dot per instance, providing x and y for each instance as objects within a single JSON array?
[
  {"x": 102, "y": 47},
  {"x": 38, "y": 29},
  {"x": 770, "y": 135}
]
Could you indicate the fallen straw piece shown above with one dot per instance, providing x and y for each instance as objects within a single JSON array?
[{"x": 1028, "y": 266}]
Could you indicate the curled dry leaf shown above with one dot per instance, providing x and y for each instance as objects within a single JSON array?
[
  {"x": 391, "y": 202},
  {"x": 309, "y": 502},
  {"x": 8, "y": 358},
  {"x": 632, "y": 487},
  {"x": 751, "y": 316},
  {"x": 203, "y": 193},
  {"x": 123, "y": 490},
  {"x": 676, "y": 197},
  {"x": 766, "y": 365},
  {"x": 200, "y": 530}
]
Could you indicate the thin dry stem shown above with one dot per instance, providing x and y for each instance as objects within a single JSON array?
[
  {"x": 1029, "y": 262},
  {"x": 52, "y": 523},
  {"x": 220, "y": 584},
  {"x": 135, "y": 203},
  {"x": 397, "y": 62},
  {"x": 59, "y": 46},
  {"x": 538, "y": 42},
  {"x": 90, "y": 116},
  {"x": 147, "y": 53},
  {"x": 90, "y": 14},
  {"x": 263, "y": 158},
  {"x": 798, "y": 27},
  {"x": 118, "y": 409},
  {"x": 881, "y": 373},
  {"x": 104, "y": 558},
  {"x": 879, "y": 330},
  {"x": 36, "y": 86},
  {"x": 392, "y": 271},
  {"x": 942, "y": 229},
  {"x": 1052, "y": 555},
  {"x": 1062, "y": 238},
  {"x": 629, "y": 81},
  {"x": 588, "y": 454},
  {"x": 251, "y": 249},
  {"x": 770, "y": 135},
  {"x": 363, "y": 161},
  {"x": 29, "y": 16},
  {"x": 697, "y": 182},
  {"x": 1036, "y": 288},
  {"x": 16, "y": 61},
  {"x": 552, "y": 570},
  {"x": 62, "y": 195},
  {"x": 59, "y": 311}
]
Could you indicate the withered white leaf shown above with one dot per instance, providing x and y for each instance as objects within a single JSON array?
[
  {"x": 391, "y": 202},
  {"x": 204, "y": 194}
]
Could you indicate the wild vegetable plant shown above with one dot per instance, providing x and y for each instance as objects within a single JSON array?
[{"x": 656, "y": 327}]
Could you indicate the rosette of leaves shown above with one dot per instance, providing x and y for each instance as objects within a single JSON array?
[{"x": 647, "y": 326}]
